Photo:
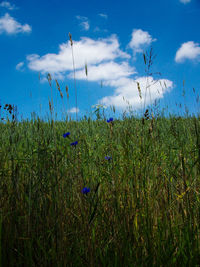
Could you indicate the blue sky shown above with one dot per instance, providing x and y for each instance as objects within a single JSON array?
[{"x": 109, "y": 37}]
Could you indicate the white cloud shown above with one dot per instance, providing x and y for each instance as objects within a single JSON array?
[
  {"x": 8, "y": 5},
  {"x": 84, "y": 22},
  {"x": 10, "y": 26},
  {"x": 19, "y": 66},
  {"x": 188, "y": 50},
  {"x": 85, "y": 50},
  {"x": 85, "y": 25},
  {"x": 106, "y": 62},
  {"x": 185, "y": 1},
  {"x": 139, "y": 39},
  {"x": 73, "y": 110},
  {"x": 81, "y": 17},
  {"x": 126, "y": 92},
  {"x": 103, "y": 15},
  {"x": 105, "y": 71}
]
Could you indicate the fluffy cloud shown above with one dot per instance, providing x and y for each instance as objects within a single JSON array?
[
  {"x": 126, "y": 92},
  {"x": 85, "y": 50},
  {"x": 7, "y": 5},
  {"x": 185, "y": 1},
  {"x": 188, "y": 50},
  {"x": 139, "y": 39},
  {"x": 10, "y": 26},
  {"x": 105, "y": 71},
  {"x": 106, "y": 62}
]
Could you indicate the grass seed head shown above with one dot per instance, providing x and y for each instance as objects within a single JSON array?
[{"x": 70, "y": 38}]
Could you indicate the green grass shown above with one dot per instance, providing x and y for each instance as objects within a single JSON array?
[{"x": 143, "y": 207}]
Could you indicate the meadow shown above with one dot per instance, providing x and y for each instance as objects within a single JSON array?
[{"x": 103, "y": 192}]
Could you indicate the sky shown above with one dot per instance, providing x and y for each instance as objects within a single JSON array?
[{"x": 103, "y": 65}]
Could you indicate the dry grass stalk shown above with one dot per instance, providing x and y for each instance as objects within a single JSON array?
[
  {"x": 58, "y": 86},
  {"x": 139, "y": 90}
]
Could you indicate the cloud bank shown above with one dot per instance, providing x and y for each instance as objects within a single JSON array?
[
  {"x": 86, "y": 50},
  {"x": 105, "y": 71},
  {"x": 126, "y": 92},
  {"x": 106, "y": 63}
]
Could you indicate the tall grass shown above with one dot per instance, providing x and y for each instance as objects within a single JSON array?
[{"x": 142, "y": 205}]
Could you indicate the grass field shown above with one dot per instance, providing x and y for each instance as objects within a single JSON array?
[{"x": 103, "y": 192}]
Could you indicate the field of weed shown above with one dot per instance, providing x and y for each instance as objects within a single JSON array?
[
  {"x": 105, "y": 192},
  {"x": 101, "y": 193}
]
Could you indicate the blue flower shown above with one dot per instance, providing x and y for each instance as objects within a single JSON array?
[
  {"x": 66, "y": 134},
  {"x": 108, "y": 158},
  {"x": 74, "y": 143},
  {"x": 85, "y": 190},
  {"x": 111, "y": 119}
]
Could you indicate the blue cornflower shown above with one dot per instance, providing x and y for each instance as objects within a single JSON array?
[
  {"x": 85, "y": 190},
  {"x": 66, "y": 134},
  {"x": 74, "y": 143},
  {"x": 111, "y": 119},
  {"x": 108, "y": 158}
]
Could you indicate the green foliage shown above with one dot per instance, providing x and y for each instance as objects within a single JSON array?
[{"x": 143, "y": 206}]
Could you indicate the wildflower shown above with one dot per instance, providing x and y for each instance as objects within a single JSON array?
[
  {"x": 74, "y": 143},
  {"x": 108, "y": 158},
  {"x": 85, "y": 190},
  {"x": 66, "y": 134},
  {"x": 110, "y": 120}
]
